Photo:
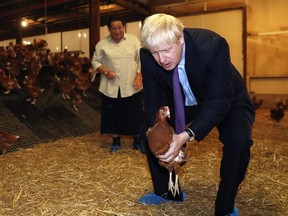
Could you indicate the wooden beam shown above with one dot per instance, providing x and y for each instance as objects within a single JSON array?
[
  {"x": 32, "y": 7},
  {"x": 19, "y": 30},
  {"x": 133, "y": 7},
  {"x": 94, "y": 31}
]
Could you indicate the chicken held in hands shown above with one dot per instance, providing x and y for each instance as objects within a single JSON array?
[{"x": 159, "y": 139}]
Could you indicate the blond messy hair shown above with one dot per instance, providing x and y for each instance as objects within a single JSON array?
[{"x": 159, "y": 29}]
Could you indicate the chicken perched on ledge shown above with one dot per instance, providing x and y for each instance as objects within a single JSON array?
[
  {"x": 7, "y": 140},
  {"x": 159, "y": 139}
]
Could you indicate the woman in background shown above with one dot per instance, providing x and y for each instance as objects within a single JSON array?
[{"x": 116, "y": 58}]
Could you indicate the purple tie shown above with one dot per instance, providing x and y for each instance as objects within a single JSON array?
[{"x": 178, "y": 103}]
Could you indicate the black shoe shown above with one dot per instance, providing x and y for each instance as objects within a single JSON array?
[
  {"x": 116, "y": 145},
  {"x": 138, "y": 145},
  {"x": 114, "y": 148}
]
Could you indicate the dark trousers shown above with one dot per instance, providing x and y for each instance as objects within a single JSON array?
[
  {"x": 235, "y": 134},
  {"x": 122, "y": 116}
]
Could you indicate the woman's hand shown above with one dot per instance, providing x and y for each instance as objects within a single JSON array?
[
  {"x": 110, "y": 74},
  {"x": 138, "y": 82}
]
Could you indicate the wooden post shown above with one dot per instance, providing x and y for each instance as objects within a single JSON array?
[
  {"x": 19, "y": 30},
  {"x": 94, "y": 31}
]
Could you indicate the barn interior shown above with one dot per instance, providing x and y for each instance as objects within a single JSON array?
[{"x": 59, "y": 140}]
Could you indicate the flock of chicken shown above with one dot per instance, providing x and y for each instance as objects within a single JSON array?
[
  {"x": 277, "y": 112},
  {"x": 32, "y": 69}
]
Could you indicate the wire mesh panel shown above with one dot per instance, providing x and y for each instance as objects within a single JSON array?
[
  {"x": 11, "y": 124},
  {"x": 38, "y": 125}
]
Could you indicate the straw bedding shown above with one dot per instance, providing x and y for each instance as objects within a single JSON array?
[{"x": 78, "y": 176}]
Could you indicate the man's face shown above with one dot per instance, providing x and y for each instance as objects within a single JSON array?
[
  {"x": 116, "y": 30},
  {"x": 168, "y": 56}
]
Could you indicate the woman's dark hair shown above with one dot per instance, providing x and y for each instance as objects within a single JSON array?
[{"x": 115, "y": 17}]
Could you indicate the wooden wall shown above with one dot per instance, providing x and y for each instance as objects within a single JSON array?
[
  {"x": 232, "y": 31},
  {"x": 267, "y": 46}
]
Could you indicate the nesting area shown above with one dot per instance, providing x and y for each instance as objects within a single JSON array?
[{"x": 78, "y": 176}]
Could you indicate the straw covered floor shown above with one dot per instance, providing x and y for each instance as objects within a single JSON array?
[{"x": 78, "y": 176}]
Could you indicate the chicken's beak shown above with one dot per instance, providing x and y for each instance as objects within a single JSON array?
[{"x": 168, "y": 112}]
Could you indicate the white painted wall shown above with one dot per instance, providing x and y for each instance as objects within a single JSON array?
[
  {"x": 228, "y": 24},
  {"x": 77, "y": 40},
  {"x": 134, "y": 28}
]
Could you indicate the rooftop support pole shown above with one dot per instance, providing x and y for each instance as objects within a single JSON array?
[{"x": 94, "y": 31}]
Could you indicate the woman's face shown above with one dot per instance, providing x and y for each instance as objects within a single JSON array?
[
  {"x": 168, "y": 55},
  {"x": 116, "y": 30}
]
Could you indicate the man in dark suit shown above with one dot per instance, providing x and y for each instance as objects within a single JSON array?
[{"x": 214, "y": 95}]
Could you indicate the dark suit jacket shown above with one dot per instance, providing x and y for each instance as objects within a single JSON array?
[{"x": 215, "y": 82}]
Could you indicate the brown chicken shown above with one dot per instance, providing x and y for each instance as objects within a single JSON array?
[
  {"x": 31, "y": 91},
  {"x": 39, "y": 44},
  {"x": 3, "y": 55},
  {"x": 75, "y": 98},
  {"x": 84, "y": 81},
  {"x": 65, "y": 86},
  {"x": 282, "y": 103},
  {"x": 8, "y": 83},
  {"x": 159, "y": 139},
  {"x": 13, "y": 67},
  {"x": 257, "y": 103},
  {"x": 7, "y": 140}
]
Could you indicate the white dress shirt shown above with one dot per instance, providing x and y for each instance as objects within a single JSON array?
[
  {"x": 122, "y": 58},
  {"x": 190, "y": 99}
]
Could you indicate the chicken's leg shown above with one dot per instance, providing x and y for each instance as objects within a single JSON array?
[
  {"x": 171, "y": 184},
  {"x": 176, "y": 186}
]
